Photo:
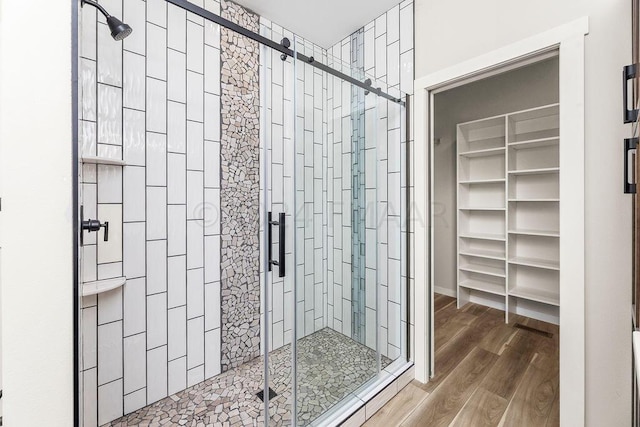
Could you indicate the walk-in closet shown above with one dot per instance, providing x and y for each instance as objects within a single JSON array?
[{"x": 496, "y": 198}]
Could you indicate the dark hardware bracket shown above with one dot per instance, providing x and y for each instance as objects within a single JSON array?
[
  {"x": 287, "y": 44},
  {"x": 280, "y": 223},
  {"x": 629, "y": 144},
  {"x": 628, "y": 73},
  {"x": 368, "y": 83}
]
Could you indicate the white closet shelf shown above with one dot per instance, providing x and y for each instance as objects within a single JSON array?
[
  {"x": 539, "y": 171},
  {"x": 489, "y": 287},
  {"x": 484, "y": 269},
  {"x": 542, "y": 233},
  {"x": 537, "y": 112},
  {"x": 538, "y": 295},
  {"x": 484, "y": 153},
  {"x": 480, "y": 253},
  {"x": 535, "y": 134},
  {"x": 483, "y": 123},
  {"x": 483, "y": 209},
  {"x": 535, "y": 143},
  {"x": 534, "y": 200},
  {"x": 103, "y": 161},
  {"x": 508, "y": 180},
  {"x": 535, "y": 262},
  {"x": 100, "y": 286},
  {"x": 482, "y": 181},
  {"x": 494, "y": 237}
]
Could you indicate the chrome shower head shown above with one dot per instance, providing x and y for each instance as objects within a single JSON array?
[{"x": 119, "y": 30}]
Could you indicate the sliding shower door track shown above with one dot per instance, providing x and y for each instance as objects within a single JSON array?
[{"x": 281, "y": 47}]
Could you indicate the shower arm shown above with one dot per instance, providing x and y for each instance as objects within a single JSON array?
[{"x": 97, "y": 6}]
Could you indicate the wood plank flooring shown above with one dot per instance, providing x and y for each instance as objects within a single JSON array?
[{"x": 487, "y": 373}]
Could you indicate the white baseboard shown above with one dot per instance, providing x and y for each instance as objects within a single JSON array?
[{"x": 445, "y": 291}]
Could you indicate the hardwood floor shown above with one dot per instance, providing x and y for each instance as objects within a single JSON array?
[{"x": 487, "y": 373}]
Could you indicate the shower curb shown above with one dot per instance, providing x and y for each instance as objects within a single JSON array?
[{"x": 362, "y": 404}]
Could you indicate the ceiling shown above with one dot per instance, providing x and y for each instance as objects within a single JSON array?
[{"x": 323, "y": 22}]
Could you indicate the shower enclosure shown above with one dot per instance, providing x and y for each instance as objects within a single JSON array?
[{"x": 253, "y": 182}]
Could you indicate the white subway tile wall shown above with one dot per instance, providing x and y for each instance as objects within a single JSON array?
[{"x": 147, "y": 339}]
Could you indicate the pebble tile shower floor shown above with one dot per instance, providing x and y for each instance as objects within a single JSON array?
[{"x": 330, "y": 366}]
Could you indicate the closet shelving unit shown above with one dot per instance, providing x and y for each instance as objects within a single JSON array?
[{"x": 508, "y": 213}]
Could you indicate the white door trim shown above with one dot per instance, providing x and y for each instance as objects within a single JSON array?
[{"x": 569, "y": 40}]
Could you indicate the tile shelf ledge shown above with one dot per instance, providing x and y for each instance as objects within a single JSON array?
[
  {"x": 103, "y": 161},
  {"x": 101, "y": 286}
]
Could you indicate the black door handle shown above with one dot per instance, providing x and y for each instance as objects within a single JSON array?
[
  {"x": 628, "y": 73},
  {"x": 629, "y": 144},
  {"x": 280, "y": 223}
]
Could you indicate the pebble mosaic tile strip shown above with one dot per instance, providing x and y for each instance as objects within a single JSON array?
[{"x": 240, "y": 190}]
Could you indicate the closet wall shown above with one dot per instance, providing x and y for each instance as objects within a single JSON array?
[
  {"x": 494, "y": 24},
  {"x": 524, "y": 88}
]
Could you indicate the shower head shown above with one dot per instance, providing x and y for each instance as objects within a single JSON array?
[{"x": 119, "y": 30}]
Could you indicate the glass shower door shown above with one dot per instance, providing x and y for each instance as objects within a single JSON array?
[
  {"x": 278, "y": 216},
  {"x": 336, "y": 227},
  {"x": 333, "y": 283}
]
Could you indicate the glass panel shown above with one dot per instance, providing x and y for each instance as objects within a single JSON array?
[
  {"x": 397, "y": 183},
  {"x": 278, "y": 195},
  {"x": 337, "y": 228}
]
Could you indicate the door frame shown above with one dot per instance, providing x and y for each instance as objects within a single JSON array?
[{"x": 568, "y": 39}]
